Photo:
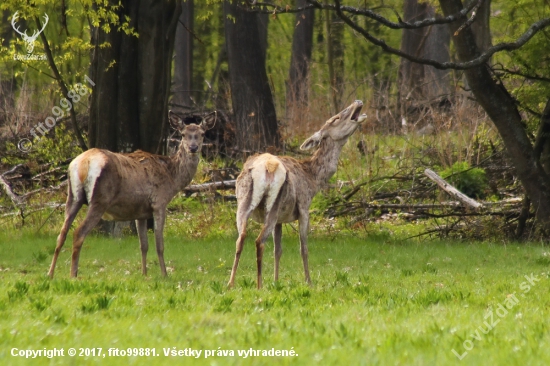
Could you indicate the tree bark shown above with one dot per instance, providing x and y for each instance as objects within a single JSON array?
[
  {"x": 128, "y": 109},
  {"x": 438, "y": 40},
  {"x": 501, "y": 108},
  {"x": 335, "y": 57},
  {"x": 132, "y": 76},
  {"x": 302, "y": 45},
  {"x": 417, "y": 81},
  {"x": 254, "y": 115},
  {"x": 542, "y": 142},
  {"x": 481, "y": 27},
  {"x": 8, "y": 84},
  {"x": 183, "y": 60},
  {"x": 263, "y": 25},
  {"x": 451, "y": 190}
]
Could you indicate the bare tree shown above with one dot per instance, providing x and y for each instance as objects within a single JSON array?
[
  {"x": 183, "y": 59},
  {"x": 302, "y": 45},
  {"x": 253, "y": 109},
  {"x": 417, "y": 81},
  {"x": 334, "y": 29},
  {"x": 132, "y": 77},
  {"x": 481, "y": 28}
]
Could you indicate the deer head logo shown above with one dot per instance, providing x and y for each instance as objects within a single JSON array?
[{"x": 29, "y": 40}]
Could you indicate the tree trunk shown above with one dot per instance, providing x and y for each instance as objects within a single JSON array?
[
  {"x": 302, "y": 44},
  {"x": 542, "y": 143},
  {"x": 419, "y": 82},
  {"x": 263, "y": 25},
  {"x": 335, "y": 57},
  {"x": 253, "y": 109},
  {"x": 436, "y": 84},
  {"x": 8, "y": 84},
  {"x": 183, "y": 60},
  {"x": 410, "y": 73},
  {"x": 132, "y": 76},
  {"x": 481, "y": 26},
  {"x": 501, "y": 108}
]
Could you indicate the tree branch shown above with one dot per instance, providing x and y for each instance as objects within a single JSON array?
[
  {"x": 483, "y": 58},
  {"x": 62, "y": 86},
  {"x": 472, "y": 18},
  {"x": 400, "y": 24},
  {"x": 503, "y": 69}
]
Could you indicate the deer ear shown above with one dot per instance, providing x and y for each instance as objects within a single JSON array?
[
  {"x": 175, "y": 121},
  {"x": 209, "y": 121},
  {"x": 313, "y": 141}
]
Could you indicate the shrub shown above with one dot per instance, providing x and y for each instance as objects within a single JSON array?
[{"x": 470, "y": 181}]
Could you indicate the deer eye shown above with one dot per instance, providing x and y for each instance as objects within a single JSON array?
[
  {"x": 182, "y": 134},
  {"x": 202, "y": 133}
]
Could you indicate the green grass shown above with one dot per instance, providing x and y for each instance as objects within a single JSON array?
[{"x": 374, "y": 301}]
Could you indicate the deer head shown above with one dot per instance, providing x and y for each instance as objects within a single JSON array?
[
  {"x": 192, "y": 135},
  {"x": 29, "y": 40},
  {"x": 338, "y": 127}
]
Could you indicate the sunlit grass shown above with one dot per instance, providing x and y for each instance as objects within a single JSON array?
[{"x": 374, "y": 301}]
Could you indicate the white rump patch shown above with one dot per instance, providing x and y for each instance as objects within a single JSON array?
[
  {"x": 268, "y": 174},
  {"x": 94, "y": 170},
  {"x": 84, "y": 172}
]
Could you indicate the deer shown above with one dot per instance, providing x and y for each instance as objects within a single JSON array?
[
  {"x": 29, "y": 40},
  {"x": 135, "y": 186},
  {"x": 279, "y": 189}
]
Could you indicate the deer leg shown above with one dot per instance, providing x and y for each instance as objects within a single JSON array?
[
  {"x": 242, "y": 220},
  {"x": 278, "y": 249},
  {"x": 259, "y": 255},
  {"x": 143, "y": 243},
  {"x": 92, "y": 218},
  {"x": 303, "y": 221},
  {"x": 160, "y": 217},
  {"x": 269, "y": 227},
  {"x": 244, "y": 211},
  {"x": 71, "y": 210}
]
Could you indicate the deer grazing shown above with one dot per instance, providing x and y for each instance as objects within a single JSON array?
[
  {"x": 135, "y": 186},
  {"x": 279, "y": 189}
]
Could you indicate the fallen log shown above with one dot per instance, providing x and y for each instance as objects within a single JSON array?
[
  {"x": 444, "y": 185},
  {"x": 225, "y": 184},
  {"x": 17, "y": 201}
]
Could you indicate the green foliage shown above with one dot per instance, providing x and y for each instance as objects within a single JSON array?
[
  {"x": 60, "y": 147},
  {"x": 470, "y": 181},
  {"x": 528, "y": 81}
]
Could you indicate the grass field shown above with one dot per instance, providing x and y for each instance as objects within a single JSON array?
[{"x": 374, "y": 301}]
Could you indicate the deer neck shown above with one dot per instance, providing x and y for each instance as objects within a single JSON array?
[
  {"x": 324, "y": 162},
  {"x": 184, "y": 167}
]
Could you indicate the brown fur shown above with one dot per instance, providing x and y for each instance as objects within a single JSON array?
[
  {"x": 83, "y": 169},
  {"x": 271, "y": 165},
  {"x": 121, "y": 187},
  {"x": 302, "y": 180}
]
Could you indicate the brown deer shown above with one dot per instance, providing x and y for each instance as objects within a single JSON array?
[
  {"x": 279, "y": 189},
  {"x": 135, "y": 186}
]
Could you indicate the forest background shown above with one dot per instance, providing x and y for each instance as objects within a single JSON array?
[{"x": 276, "y": 73}]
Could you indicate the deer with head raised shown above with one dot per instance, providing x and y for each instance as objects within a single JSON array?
[
  {"x": 135, "y": 186},
  {"x": 279, "y": 189}
]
